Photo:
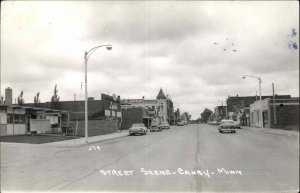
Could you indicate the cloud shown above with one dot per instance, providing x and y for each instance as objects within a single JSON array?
[{"x": 169, "y": 45}]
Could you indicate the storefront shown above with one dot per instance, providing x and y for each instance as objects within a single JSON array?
[{"x": 21, "y": 120}]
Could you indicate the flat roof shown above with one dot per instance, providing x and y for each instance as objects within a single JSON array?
[{"x": 36, "y": 108}]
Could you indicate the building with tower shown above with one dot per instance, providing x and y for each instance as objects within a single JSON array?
[{"x": 160, "y": 108}]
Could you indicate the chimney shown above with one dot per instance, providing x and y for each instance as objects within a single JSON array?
[{"x": 8, "y": 96}]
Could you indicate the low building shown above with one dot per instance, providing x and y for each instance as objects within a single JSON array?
[
  {"x": 21, "y": 120},
  {"x": 278, "y": 113},
  {"x": 105, "y": 115},
  {"x": 238, "y": 107}
]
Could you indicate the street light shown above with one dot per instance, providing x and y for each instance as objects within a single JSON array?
[
  {"x": 86, "y": 57},
  {"x": 259, "y": 84}
]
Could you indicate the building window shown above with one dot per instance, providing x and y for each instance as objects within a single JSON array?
[
  {"x": 9, "y": 118},
  {"x": 22, "y": 119},
  {"x": 16, "y": 118}
]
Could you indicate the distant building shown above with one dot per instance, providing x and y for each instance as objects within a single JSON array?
[
  {"x": 284, "y": 115},
  {"x": 162, "y": 106},
  {"x": 220, "y": 112}
]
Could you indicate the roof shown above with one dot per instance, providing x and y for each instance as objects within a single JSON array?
[{"x": 161, "y": 95}]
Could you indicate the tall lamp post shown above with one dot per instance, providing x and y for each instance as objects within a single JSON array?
[
  {"x": 86, "y": 58},
  {"x": 261, "y": 111}
]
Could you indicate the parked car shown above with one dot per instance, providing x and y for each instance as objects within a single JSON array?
[
  {"x": 137, "y": 128},
  {"x": 237, "y": 124},
  {"x": 164, "y": 125},
  {"x": 227, "y": 126},
  {"x": 155, "y": 126},
  {"x": 180, "y": 123},
  {"x": 214, "y": 123}
]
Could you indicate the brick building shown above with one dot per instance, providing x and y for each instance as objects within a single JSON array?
[
  {"x": 136, "y": 115},
  {"x": 162, "y": 106},
  {"x": 238, "y": 107},
  {"x": 104, "y": 115},
  {"x": 278, "y": 113}
]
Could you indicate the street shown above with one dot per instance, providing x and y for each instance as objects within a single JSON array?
[{"x": 190, "y": 158}]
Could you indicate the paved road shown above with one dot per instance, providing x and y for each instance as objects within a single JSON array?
[{"x": 184, "y": 159}]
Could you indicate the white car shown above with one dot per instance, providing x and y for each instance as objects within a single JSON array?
[
  {"x": 227, "y": 126},
  {"x": 164, "y": 125},
  {"x": 138, "y": 128}
]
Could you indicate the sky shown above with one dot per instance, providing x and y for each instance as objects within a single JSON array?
[{"x": 196, "y": 51}]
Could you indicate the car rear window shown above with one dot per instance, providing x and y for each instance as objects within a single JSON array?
[
  {"x": 227, "y": 123},
  {"x": 138, "y": 125}
]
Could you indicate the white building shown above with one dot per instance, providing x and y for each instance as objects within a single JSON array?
[{"x": 158, "y": 106}]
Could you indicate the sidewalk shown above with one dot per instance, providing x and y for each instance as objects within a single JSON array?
[
  {"x": 75, "y": 142},
  {"x": 277, "y": 131},
  {"x": 91, "y": 140}
]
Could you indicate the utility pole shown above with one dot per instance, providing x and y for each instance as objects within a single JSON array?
[{"x": 274, "y": 105}]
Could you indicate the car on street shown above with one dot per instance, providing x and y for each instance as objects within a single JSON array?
[
  {"x": 237, "y": 124},
  {"x": 180, "y": 123},
  {"x": 137, "y": 128},
  {"x": 227, "y": 126},
  {"x": 155, "y": 126},
  {"x": 164, "y": 125}
]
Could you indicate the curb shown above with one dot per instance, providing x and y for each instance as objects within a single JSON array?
[
  {"x": 273, "y": 131},
  {"x": 97, "y": 141}
]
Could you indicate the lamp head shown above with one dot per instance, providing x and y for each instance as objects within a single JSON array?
[
  {"x": 109, "y": 47},
  {"x": 244, "y": 77}
]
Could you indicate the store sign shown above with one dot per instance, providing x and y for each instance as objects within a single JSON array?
[
  {"x": 151, "y": 112},
  {"x": 113, "y": 107},
  {"x": 107, "y": 113}
]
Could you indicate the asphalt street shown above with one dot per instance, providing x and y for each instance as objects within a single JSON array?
[{"x": 191, "y": 158}]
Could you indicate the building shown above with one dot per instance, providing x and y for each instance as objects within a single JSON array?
[
  {"x": 105, "y": 115},
  {"x": 238, "y": 107},
  {"x": 136, "y": 115},
  {"x": 162, "y": 106},
  {"x": 21, "y": 120},
  {"x": 278, "y": 113},
  {"x": 220, "y": 113}
]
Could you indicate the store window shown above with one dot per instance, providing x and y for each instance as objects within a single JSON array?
[
  {"x": 22, "y": 119},
  {"x": 9, "y": 118},
  {"x": 16, "y": 118}
]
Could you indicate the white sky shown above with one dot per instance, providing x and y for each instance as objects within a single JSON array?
[{"x": 159, "y": 44}]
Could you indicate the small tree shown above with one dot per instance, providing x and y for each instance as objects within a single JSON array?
[
  {"x": 36, "y": 98},
  {"x": 188, "y": 116},
  {"x": 20, "y": 98},
  {"x": 55, "y": 98}
]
